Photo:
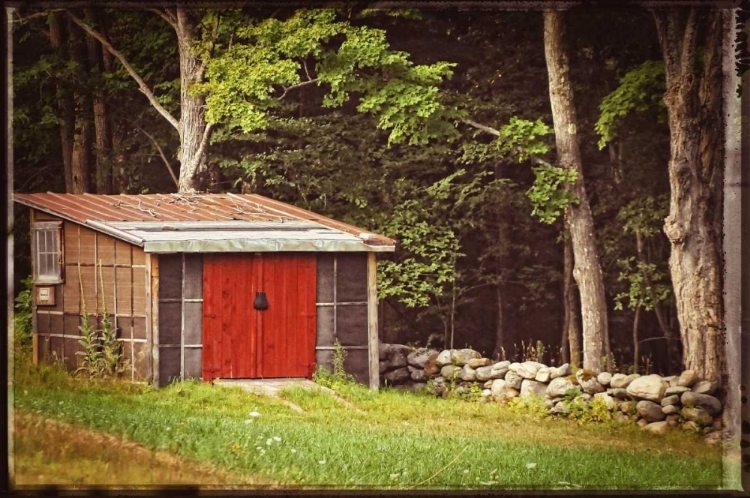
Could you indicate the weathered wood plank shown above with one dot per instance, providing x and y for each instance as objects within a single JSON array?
[{"x": 372, "y": 320}]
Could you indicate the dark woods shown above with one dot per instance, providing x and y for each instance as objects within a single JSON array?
[{"x": 525, "y": 161}]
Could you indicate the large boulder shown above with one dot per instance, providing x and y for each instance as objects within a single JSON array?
[
  {"x": 649, "y": 387},
  {"x": 705, "y": 387},
  {"x": 559, "y": 387},
  {"x": 560, "y": 408},
  {"x": 450, "y": 371},
  {"x": 587, "y": 381},
  {"x": 604, "y": 378},
  {"x": 650, "y": 411},
  {"x": 513, "y": 367},
  {"x": 708, "y": 403},
  {"x": 688, "y": 378},
  {"x": 532, "y": 388},
  {"x": 397, "y": 360},
  {"x": 514, "y": 380},
  {"x": 479, "y": 362},
  {"x": 697, "y": 415},
  {"x": 622, "y": 380},
  {"x": 419, "y": 357},
  {"x": 467, "y": 374},
  {"x": 528, "y": 369},
  {"x": 462, "y": 356},
  {"x": 383, "y": 366},
  {"x": 444, "y": 358},
  {"x": 439, "y": 386},
  {"x": 398, "y": 376},
  {"x": 491, "y": 372}
]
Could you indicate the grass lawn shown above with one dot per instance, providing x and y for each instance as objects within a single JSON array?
[{"x": 401, "y": 441}]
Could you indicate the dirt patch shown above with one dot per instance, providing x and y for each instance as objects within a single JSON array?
[{"x": 50, "y": 452}]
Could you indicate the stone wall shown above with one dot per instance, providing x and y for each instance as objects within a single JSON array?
[{"x": 653, "y": 402}]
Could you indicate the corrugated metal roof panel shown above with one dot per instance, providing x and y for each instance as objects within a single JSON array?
[{"x": 208, "y": 221}]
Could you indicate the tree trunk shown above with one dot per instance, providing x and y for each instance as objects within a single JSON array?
[
  {"x": 499, "y": 324},
  {"x": 636, "y": 323},
  {"x": 83, "y": 136},
  {"x": 587, "y": 270},
  {"x": 572, "y": 330},
  {"x": 193, "y": 128},
  {"x": 695, "y": 150},
  {"x": 103, "y": 142},
  {"x": 64, "y": 101}
]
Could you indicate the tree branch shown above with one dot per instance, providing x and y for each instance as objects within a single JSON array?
[
  {"x": 28, "y": 18},
  {"x": 141, "y": 84},
  {"x": 163, "y": 156},
  {"x": 492, "y": 131},
  {"x": 298, "y": 85},
  {"x": 164, "y": 16}
]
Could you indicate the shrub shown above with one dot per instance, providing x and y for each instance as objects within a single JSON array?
[
  {"x": 530, "y": 405},
  {"x": 22, "y": 317},
  {"x": 337, "y": 378}
]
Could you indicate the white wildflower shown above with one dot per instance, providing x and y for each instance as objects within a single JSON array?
[
  {"x": 395, "y": 476},
  {"x": 322, "y": 462},
  {"x": 269, "y": 441},
  {"x": 294, "y": 451},
  {"x": 277, "y": 439},
  {"x": 530, "y": 465},
  {"x": 254, "y": 414}
]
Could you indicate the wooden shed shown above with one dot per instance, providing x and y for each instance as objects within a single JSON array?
[{"x": 204, "y": 285}]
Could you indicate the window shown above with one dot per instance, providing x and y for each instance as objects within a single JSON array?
[{"x": 45, "y": 237}]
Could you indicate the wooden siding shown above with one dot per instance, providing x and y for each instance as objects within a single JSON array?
[{"x": 121, "y": 288}]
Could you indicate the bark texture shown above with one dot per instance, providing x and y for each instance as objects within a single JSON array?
[
  {"x": 194, "y": 131},
  {"x": 84, "y": 133},
  {"x": 572, "y": 323},
  {"x": 693, "y": 100},
  {"x": 587, "y": 270},
  {"x": 103, "y": 136},
  {"x": 64, "y": 100},
  {"x": 499, "y": 324}
]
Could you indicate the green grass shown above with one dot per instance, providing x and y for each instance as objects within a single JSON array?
[{"x": 402, "y": 440}]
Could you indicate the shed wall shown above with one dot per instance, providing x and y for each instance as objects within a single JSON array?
[
  {"x": 113, "y": 276},
  {"x": 342, "y": 311},
  {"x": 180, "y": 317}
]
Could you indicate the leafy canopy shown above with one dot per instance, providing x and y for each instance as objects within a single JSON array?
[{"x": 257, "y": 63}]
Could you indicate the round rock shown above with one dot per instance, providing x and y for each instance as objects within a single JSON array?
[
  {"x": 543, "y": 375},
  {"x": 604, "y": 378},
  {"x": 657, "y": 427},
  {"x": 468, "y": 374},
  {"x": 670, "y": 400},
  {"x": 479, "y": 362},
  {"x": 532, "y": 388},
  {"x": 650, "y": 411},
  {"x": 514, "y": 380},
  {"x": 708, "y": 403},
  {"x": 528, "y": 369},
  {"x": 688, "y": 378},
  {"x": 444, "y": 358},
  {"x": 419, "y": 357},
  {"x": 704, "y": 387},
  {"x": 622, "y": 380},
  {"x": 450, "y": 371},
  {"x": 398, "y": 376},
  {"x": 697, "y": 415},
  {"x": 559, "y": 386},
  {"x": 462, "y": 356},
  {"x": 649, "y": 387}
]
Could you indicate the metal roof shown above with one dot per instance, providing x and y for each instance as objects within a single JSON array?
[{"x": 164, "y": 223}]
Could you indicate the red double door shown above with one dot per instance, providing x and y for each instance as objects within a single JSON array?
[{"x": 240, "y": 342}]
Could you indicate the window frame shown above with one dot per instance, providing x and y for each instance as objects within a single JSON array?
[{"x": 37, "y": 228}]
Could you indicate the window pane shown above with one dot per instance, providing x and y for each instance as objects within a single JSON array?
[
  {"x": 53, "y": 241},
  {"x": 42, "y": 264},
  {"x": 51, "y": 265}
]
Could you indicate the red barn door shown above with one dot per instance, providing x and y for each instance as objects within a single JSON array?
[{"x": 242, "y": 342}]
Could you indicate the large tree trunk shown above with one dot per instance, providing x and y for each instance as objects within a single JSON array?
[
  {"x": 83, "y": 136},
  {"x": 696, "y": 146},
  {"x": 103, "y": 142},
  {"x": 497, "y": 354},
  {"x": 572, "y": 330},
  {"x": 64, "y": 101},
  {"x": 193, "y": 128},
  {"x": 587, "y": 270}
]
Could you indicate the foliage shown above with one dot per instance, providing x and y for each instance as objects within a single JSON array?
[
  {"x": 533, "y": 406},
  {"x": 267, "y": 59},
  {"x": 548, "y": 194},
  {"x": 101, "y": 356},
  {"x": 644, "y": 215},
  {"x": 520, "y": 139},
  {"x": 22, "y": 316},
  {"x": 640, "y": 89},
  {"x": 595, "y": 411},
  {"x": 338, "y": 377},
  {"x": 638, "y": 275}
]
